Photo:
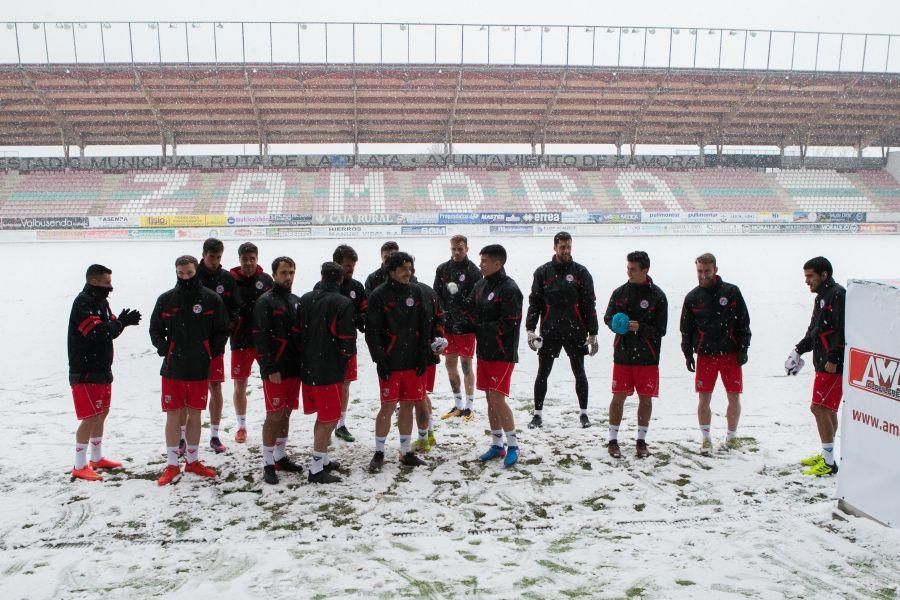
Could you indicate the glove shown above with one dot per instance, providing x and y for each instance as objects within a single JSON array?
[
  {"x": 794, "y": 363},
  {"x": 384, "y": 371},
  {"x": 129, "y": 317},
  {"x": 689, "y": 362},
  {"x": 162, "y": 351},
  {"x": 535, "y": 341},
  {"x": 742, "y": 357},
  {"x": 464, "y": 327},
  {"x": 592, "y": 345},
  {"x": 439, "y": 344}
]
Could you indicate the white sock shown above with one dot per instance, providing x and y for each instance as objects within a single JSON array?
[
  {"x": 96, "y": 449},
  {"x": 192, "y": 454},
  {"x": 379, "y": 443},
  {"x": 642, "y": 432},
  {"x": 613, "y": 433},
  {"x": 404, "y": 443},
  {"x": 730, "y": 435},
  {"x": 538, "y": 413},
  {"x": 458, "y": 400},
  {"x": 242, "y": 421},
  {"x": 423, "y": 434},
  {"x": 327, "y": 460},
  {"x": 511, "y": 439},
  {"x": 280, "y": 448},
  {"x": 317, "y": 463},
  {"x": 80, "y": 455},
  {"x": 213, "y": 431},
  {"x": 268, "y": 456},
  {"x": 497, "y": 437},
  {"x": 704, "y": 429},
  {"x": 828, "y": 453},
  {"x": 470, "y": 402},
  {"x": 172, "y": 455},
  {"x": 183, "y": 428},
  {"x": 342, "y": 419}
]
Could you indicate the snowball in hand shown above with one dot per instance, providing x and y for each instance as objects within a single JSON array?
[{"x": 620, "y": 323}]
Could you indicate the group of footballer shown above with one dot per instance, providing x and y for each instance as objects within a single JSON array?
[{"x": 306, "y": 347}]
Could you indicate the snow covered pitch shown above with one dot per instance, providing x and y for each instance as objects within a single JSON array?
[{"x": 567, "y": 521}]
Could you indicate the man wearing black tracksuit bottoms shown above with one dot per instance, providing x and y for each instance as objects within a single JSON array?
[{"x": 562, "y": 298}]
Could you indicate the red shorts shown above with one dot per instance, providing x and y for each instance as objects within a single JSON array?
[
  {"x": 709, "y": 368},
  {"x": 91, "y": 399},
  {"x": 626, "y": 379},
  {"x": 324, "y": 400},
  {"x": 461, "y": 344},
  {"x": 350, "y": 370},
  {"x": 828, "y": 390},
  {"x": 241, "y": 363},
  {"x": 402, "y": 386},
  {"x": 282, "y": 395},
  {"x": 494, "y": 376},
  {"x": 217, "y": 369},
  {"x": 177, "y": 394},
  {"x": 430, "y": 374}
]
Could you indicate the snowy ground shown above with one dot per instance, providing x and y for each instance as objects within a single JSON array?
[{"x": 568, "y": 521}]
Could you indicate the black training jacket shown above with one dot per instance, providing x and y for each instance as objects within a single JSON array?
[
  {"x": 375, "y": 278},
  {"x": 276, "y": 332},
  {"x": 222, "y": 283},
  {"x": 249, "y": 291},
  {"x": 562, "y": 298},
  {"x": 495, "y": 306},
  {"x": 714, "y": 320},
  {"x": 647, "y": 305},
  {"x": 399, "y": 321},
  {"x": 825, "y": 336},
  {"x": 189, "y": 327},
  {"x": 327, "y": 335},
  {"x": 356, "y": 293},
  {"x": 465, "y": 274},
  {"x": 92, "y": 329}
]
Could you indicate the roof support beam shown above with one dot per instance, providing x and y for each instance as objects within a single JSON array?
[
  {"x": 551, "y": 104},
  {"x": 164, "y": 131},
  {"x": 66, "y": 131},
  {"x": 452, "y": 117},
  {"x": 256, "y": 114}
]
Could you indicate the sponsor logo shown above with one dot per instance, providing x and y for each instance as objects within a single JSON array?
[
  {"x": 523, "y": 229},
  {"x": 423, "y": 230},
  {"x": 875, "y": 373},
  {"x": 197, "y": 309}
]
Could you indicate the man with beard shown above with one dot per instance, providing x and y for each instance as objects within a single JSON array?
[{"x": 189, "y": 328}]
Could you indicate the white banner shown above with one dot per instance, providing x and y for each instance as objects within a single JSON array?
[{"x": 869, "y": 478}]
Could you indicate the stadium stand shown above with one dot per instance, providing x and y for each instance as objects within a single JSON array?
[{"x": 360, "y": 190}]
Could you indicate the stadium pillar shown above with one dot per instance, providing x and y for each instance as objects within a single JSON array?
[
  {"x": 702, "y": 153},
  {"x": 174, "y": 147}
]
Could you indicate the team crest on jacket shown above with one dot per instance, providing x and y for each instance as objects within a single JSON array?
[
  {"x": 644, "y": 304},
  {"x": 462, "y": 276},
  {"x": 822, "y": 303},
  {"x": 410, "y": 302},
  {"x": 197, "y": 309},
  {"x": 220, "y": 289},
  {"x": 167, "y": 399},
  {"x": 491, "y": 296},
  {"x": 259, "y": 285},
  {"x": 353, "y": 294},
  {"x": 723, "y": 301},
  {"x": 570, "y": 278}
]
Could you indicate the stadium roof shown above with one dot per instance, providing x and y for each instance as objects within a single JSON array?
[{"x": 81, "y": 104}]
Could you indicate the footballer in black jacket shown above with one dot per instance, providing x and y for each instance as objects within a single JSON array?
[
  {"x": 92, "y": 329},
  {"x": 328, "y": 342},
  {"x": 453, "y": 283},
  {"x": 276, "y": 336},
  {"x": 562, "y": 299},
  {"x": 636, "y": 348},
  {"x": 715, "y": 323},
  {"x": 189, "y": 327},
  {"x": 399, "y": 321},
  {"x": 825, "y": 337},
  {"x": 214, "y": 277},
  {"x": 495, "y": 316}
]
